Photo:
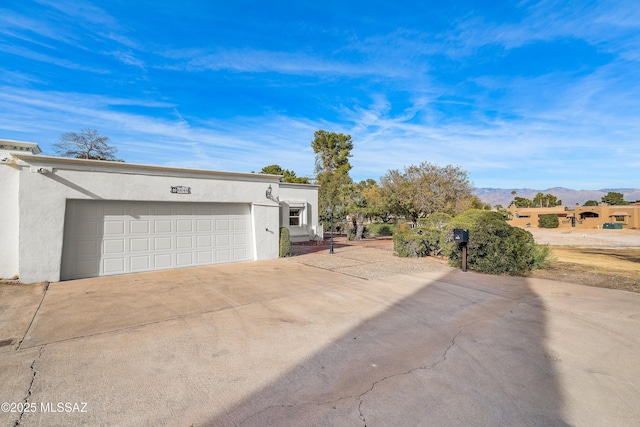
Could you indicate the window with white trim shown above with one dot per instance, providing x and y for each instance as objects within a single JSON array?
[{"x": 295, "y": 215}]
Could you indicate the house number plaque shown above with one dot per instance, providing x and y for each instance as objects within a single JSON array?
[{"x": 180, "y": 189}]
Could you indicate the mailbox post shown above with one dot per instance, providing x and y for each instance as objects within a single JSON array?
[{"x": 461, "y": 237}]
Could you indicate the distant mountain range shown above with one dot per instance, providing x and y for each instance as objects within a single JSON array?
[{"x": 503, "y": 196}]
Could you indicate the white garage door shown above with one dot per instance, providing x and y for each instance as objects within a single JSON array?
[{"x": 103, "y": 238}]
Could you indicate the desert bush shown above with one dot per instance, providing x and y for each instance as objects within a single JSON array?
[
  {"x": 548, "y": 221},
  {"x": 543, "y": 258},
  {"x": 417, "y": 242},
  {"x": 382, "y": 229},
  {"x": 437, "y": 220},
  {"x": 494, "y": 246},
  {"x": 285, "y": 242}
]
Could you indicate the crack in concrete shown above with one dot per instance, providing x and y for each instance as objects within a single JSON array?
[
  {"x": 426, "y": 367},
  {"x": 35, "y": 313},
  {"x": 360, "y": 396},
  {"x": 34, "y": 373}
]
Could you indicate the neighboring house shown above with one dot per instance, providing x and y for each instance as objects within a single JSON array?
[
  {"x": 71, "y": 218},
  {"x": 601, "y": 216},
  {"x": 528, "y": 217}
]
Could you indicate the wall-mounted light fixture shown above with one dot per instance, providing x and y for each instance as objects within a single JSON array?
[{"x": 269, "y": 191}]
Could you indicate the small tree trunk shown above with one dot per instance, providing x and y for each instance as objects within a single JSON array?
[{"x": 359, "y": 226}]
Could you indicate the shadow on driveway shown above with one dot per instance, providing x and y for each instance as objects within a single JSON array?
[{"x": 464, "y": 349}]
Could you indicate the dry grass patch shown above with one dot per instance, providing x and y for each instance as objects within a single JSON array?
[{"x": 604, "y": 268}]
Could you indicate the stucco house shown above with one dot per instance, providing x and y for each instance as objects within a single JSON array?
[
  {"x": 601, "y": 216},
  {"x": 72, "y": 218}
]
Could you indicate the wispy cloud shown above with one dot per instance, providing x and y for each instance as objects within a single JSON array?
[{"x": 441, "y": 87}]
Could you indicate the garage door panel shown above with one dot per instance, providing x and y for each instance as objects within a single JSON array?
[
  {"x": 141, "y": 209},
  {"x": 113, "y": 266},
  {"x": 113, "y": 209},
  {"x": 161, "y": 209},
  {"x": 87, "y": 268},
  {"x": 222, "y": 240},
  {"x": 206, "y": 210},
  {"x": 88, "y": 228},
  {"x": 139, "y": 245},
  {"x": 204, "y": 242},
  {"x": 139, "y": 227},
  {"x": 184, "y": 226},
  {"x": 223, "y": 255},
  {"x": 204, "y": 225},
  {"x": 184, "y": 259},
  {"x": 140, "y": 263},
  {"x": 222, "y": 225},
  {"x": 184, "y": 209},
  {"x": 184, "y": 242},
  {"x": 114, "y": 228},
  {"x": 111, "y": 247},
  {"x": 162, "y": 243},
  {"x": 89, "y": 248},
  {"x": 161, "y": 261},
  {"x": 239, "y": 253},
  {"x": 205, "y": 258},
  {"x": 239, "y": 224},
  {"x": 162, "y": 226},
  {"x": 113, "y": 237},
  {"x": 86, "y": 211}
]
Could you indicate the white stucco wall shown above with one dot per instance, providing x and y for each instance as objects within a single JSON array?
[
  {"x": 42, "y": 200},
  {"x": 8, "y": 218},
  {"x": 296, "y": 195}
]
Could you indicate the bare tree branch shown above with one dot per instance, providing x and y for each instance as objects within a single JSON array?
[{"x": 87, "y": 144}]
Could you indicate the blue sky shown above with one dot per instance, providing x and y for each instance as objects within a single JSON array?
[{"x": 519, "y": 94}]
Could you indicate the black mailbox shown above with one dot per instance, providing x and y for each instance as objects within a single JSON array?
[{"x": 460, "y": 235}]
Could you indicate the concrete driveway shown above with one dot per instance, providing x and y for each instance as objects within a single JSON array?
[{"x": 319, "y": 340}]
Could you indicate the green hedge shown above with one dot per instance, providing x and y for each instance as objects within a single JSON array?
[
  {"x": 548, "y": 221},
  {"x": 417, "y": 242},
  {"x": 382, "y": 229},
  {"x": 494, "y": 246},
  {"x": 285, "y": 242}
]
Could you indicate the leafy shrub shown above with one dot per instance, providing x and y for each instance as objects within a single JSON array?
[
  {"x": 494, "y": 246},
  {"x": 437, "y": 220},
  {"x": 382, "y": 229},
  {"x": 548, "y": 221},
  {"x": 285, "y": 242},
  {"x": 417, "y": 242}
]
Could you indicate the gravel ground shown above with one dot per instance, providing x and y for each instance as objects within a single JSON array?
[
  {"x": 368, "y": 259},
  {"x": 373, "y": 258},
  {"x": 590, "y": 238}
]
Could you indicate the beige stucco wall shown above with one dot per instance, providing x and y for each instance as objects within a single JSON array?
[
  {"x": 605, "y": 215},
  {"x": 41, "y": 202}
]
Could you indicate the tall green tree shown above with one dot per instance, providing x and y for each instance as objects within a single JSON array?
[
  {"x": 332, "y": 151},
  {"x": 523, "y": 202},
  {"x": 362, "y": 201},
  {"x": 546, "y": 200},
  {"x": 289, "y": 175},
  {"x": 377, "y": 206},
  {"x": 421, "y": 190},
  {"x": 614, "y": 198}
]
